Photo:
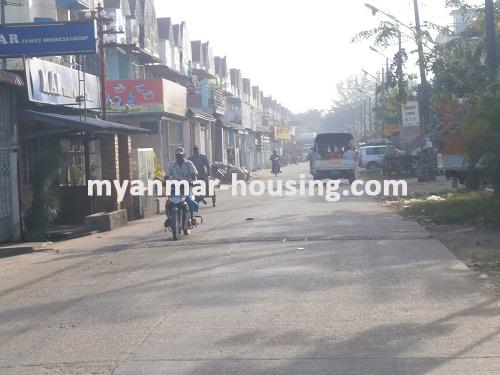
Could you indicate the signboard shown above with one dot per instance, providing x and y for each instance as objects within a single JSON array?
[
  {"x": 47, "y": 39},
  {"x": 146, "y": 95},
  {"x": 411, "y": 114},
  {"x": 50, "y": 83},
  {"x": 283, "y": 133},
  {"x": 390, "y": 130}
]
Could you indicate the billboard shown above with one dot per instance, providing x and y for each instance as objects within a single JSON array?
[
  {"x": 47, "y": 39},
  {"x": 50, "y": 83},
  {"x": 146, "y": 95},
  {"x": 411, "y": 114},
  {"x": 390, "y": 130},
  {"x": 283, "y": 133}
]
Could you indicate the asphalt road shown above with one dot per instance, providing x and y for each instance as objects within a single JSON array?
[{"x": 265, "y": 286}]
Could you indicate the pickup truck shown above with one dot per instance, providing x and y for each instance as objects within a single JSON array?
[
  {"x": 456, "y": 167},
  {"x": 329, "y": 159}
]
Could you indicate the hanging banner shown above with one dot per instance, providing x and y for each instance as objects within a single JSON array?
[
  {"x": 411, "y": 114},
  {"x": 146, "y": 95},
  {"x": 48, "y": 39}
]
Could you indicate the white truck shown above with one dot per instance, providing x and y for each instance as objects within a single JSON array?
[
  {"x": 333, "y": 157},
  {"x": 456, "y": 167}
]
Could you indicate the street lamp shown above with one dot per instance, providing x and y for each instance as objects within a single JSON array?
[
  {"x": 369, "y": 74},
  {"x": 376, "y": 10},
  {"x": 377, "y": 81},
  {"x": 373, "y": 49}
]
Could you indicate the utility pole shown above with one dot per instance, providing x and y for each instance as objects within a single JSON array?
[
  {"x": 491, "y": 36},
  {"x": 424, "y": 95},
  {"x": 428, "y": 172},
  {"x": 401, "y": 87},
  {"x": 99, "y": 15},
  {"x": 102, "y": 60}
]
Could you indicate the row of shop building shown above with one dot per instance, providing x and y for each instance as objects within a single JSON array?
[{"x": 162, "y": 91}]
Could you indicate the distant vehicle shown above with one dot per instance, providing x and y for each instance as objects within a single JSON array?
[
  {"x": 452, "y": 159},
  {"x": 456, "y": 167},
  {"x": 371, "y": 157},
  {"x": 306, "y": 143},
  {"x": 376, "y": 142},
  {"x": 327, "y": 160}
]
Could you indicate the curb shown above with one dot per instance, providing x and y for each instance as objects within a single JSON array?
[{"x": 21, "y": 249}]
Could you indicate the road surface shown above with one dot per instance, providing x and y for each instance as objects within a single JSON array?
[{"x": 265, "y": 286}]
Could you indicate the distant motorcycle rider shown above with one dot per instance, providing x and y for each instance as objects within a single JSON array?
[
  {"x": 275, "y": 159},
  {"x": 202, "y": 165}
]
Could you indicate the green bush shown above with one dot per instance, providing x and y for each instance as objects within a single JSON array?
[{"x": 456, "y": 208}]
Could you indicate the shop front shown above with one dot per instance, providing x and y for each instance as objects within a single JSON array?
[
  {"x": 157, "y": 105},
  {"x": 69, "y": 150},
  {"x": 63, "y": 144}
]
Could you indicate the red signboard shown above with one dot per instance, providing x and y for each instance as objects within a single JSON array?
[{"x": 146, "y": 95}]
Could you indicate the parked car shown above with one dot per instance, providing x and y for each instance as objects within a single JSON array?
[{"x": 371, "y": 157}]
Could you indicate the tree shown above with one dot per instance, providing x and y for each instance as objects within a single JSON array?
[
  {"x": 349, "y": 106},
  {"x": 309, "y": 121},
  {"x": 462, "y": 76},
  {"x": 46, "y": 202}
]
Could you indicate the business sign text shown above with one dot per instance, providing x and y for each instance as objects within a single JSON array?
[
  {"x": 49, "y": 83},
  {"x": 390, "y": 130},
  {"x": 47, "y": 39},
  {"x": 283, "y": 133},
  {"x": 411, "y": 114}
]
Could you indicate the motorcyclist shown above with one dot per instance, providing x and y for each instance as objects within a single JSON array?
[
  {"x": 181, "y": 170},
  {"x": 275, "y": 159},
  {"x": 202, "y": 165}
]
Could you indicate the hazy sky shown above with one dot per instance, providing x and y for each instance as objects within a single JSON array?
[{"x": 295, "y": 50}]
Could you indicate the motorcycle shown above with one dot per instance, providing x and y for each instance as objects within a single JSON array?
[{"x": 180, "y": 211}]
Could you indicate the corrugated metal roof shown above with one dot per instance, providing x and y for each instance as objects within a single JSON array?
[
  {"x": 80, "y": 123},
  {"x": 11, "y": 79},
  {"x": 198, "y": 113}
]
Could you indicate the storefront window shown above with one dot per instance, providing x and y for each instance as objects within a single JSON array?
[{"x": 73, "y": 173}]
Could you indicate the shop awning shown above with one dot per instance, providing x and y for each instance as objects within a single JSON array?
[
  {"x": 223, "y": 123},
  {"x": 89, "y": 124},
  {"x": 11, "y": 79},
  {"x": 199, "y": 114}
]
